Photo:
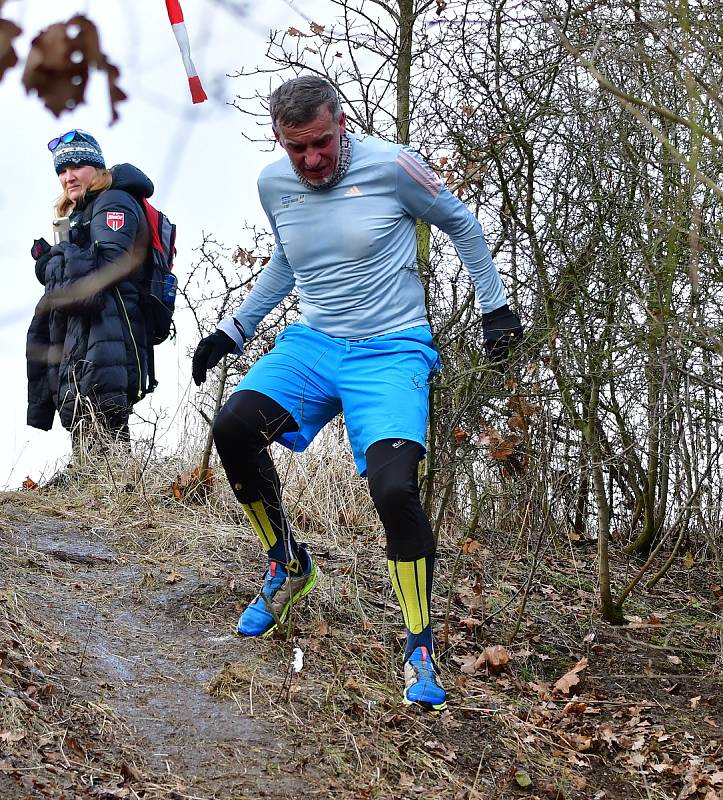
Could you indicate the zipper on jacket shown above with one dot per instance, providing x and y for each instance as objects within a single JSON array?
[{"x": 135, "y": 346}]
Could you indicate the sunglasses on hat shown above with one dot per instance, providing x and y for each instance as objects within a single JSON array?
[{"x": 65, "y": 138}]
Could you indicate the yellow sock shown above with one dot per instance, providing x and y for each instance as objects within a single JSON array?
[
  {"x": 409, "y": 579},
  {"x": 259, "y": 519}
]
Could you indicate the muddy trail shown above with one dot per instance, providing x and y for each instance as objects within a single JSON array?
[
  {"x": 125, "y": 639},
  {"x": 122, "y": 677}
]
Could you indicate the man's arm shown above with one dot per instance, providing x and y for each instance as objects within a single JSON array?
[
  {"x": 273, "y": 285},
  {"x": 424, "y": 196}
]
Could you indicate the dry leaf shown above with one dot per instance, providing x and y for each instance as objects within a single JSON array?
[
  {"x": 295, "y": 32},
  {"x": 59, "y": 64},
  {"x": 441, "y": 749},
  {"x": 173, "y": 577},
  {"x": 503, "y": 450},
  {"x": 523, "y": 407},
  {"x": 112, "y": 791},
  {"x": 73, "y": 744},
  {"x": 8, "y": 57},
  {"x": 29, "y": 484},
  {"x": 460, "y": 434},
  {"x": 607, "y": 734},
  {"x": 316, "y": 28},
  {"x": 571, "y": 678},
  {"x": 496, "y": 658},
  {"x": 517, "y": 423},
  {"x": 12, "y": 736},
  {"x": 129, "y": 773},
  {"x": 542, "y": 689},
  {"x": 468, "y": 664}
]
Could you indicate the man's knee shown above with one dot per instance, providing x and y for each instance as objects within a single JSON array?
[
  {"x": 392, "y": 476},
  {"x": 249, "y": 421},
  {"x": 231, "y": 424},
  {"x": 392, "y": 492}
]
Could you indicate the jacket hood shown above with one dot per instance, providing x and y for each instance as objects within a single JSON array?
[{"x": 130, "y": 179}]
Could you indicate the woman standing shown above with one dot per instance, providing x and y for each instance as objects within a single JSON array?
[{"x": 87, "y": 348}]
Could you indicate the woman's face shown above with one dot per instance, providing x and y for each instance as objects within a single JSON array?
[{"x": 75, "y": 180}]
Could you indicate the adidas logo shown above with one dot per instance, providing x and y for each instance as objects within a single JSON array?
[
  {"x": 355, "y": 191},
  {"x": 398, "y": 443}
]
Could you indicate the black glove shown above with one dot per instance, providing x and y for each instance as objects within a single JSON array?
[
  {"x": 40, "y": 248},
  {"x": 210, "y": 350},
  {"x": 502, "y": 330},
  {"x": 40, "y": 251}
]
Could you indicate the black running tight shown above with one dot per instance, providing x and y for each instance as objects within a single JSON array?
[{"x": 250, "y": 421}]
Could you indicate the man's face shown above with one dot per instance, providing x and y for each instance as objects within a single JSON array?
[{"x": 313, "y": 147}]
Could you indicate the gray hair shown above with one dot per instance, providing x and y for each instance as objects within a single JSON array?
[{"x": 300, "y": 100}]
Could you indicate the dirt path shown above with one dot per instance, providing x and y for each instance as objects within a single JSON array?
[{"x": 125, "y": 639}]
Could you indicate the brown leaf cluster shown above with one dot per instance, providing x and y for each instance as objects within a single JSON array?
[
  {"x": 194, "y": 485},
  {"x": 246, "y": 258},
  {"x": 59, "y": 64}
]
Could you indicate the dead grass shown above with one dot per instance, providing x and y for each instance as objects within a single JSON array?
[{"x": 632, "y": 727}]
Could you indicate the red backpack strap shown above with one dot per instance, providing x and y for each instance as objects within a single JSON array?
[{"x": 152, "y": 216}]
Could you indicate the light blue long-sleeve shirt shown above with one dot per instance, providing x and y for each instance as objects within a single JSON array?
[{"x": 351, "y": 250}]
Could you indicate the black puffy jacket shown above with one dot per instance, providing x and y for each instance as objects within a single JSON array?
[{"x": 87, "y": 338}]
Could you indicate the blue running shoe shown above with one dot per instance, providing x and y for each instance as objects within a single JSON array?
[
  {"x": 421, "y": 683},
  {"x": 271, "y": 605}
]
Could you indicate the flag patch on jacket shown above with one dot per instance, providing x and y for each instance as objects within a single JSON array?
[{"x": 115, "y": 219}]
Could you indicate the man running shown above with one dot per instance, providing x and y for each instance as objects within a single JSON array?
[{"x": 342, "y": 208}]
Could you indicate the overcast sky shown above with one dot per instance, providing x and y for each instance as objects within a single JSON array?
[{"x": 204, "y": 170}]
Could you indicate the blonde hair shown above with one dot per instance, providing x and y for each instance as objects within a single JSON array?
[{"x": 101, "y": 181}]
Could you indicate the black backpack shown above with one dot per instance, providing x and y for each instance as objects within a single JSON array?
[{"x": 159, "y": 282}]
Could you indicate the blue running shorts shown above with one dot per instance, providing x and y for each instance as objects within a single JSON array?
[{"x": 381, "y": 385}]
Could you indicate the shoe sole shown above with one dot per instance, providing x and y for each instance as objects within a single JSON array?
[
  {"x": 427, "y": 706},
  {"x": 305, "y": 589}
]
